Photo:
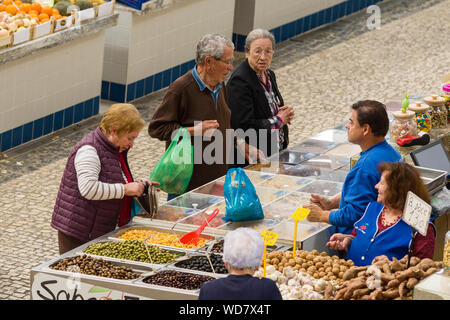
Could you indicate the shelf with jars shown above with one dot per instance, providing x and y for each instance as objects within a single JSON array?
[
  {"x": 403, "y": 125},
  {"x": 438, "y": 111},
  {"x": 422, "y": 116}
]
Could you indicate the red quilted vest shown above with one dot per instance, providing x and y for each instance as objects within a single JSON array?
[{"x": 88, "y": 219}]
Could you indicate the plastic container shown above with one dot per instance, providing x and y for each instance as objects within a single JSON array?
[
  {"x": 136, "y": 4},
  {"x": 438, "y": 111},
  {"x": 446, "y": 255},
  {"x": 446, "y": 95},
  {"x": 403, "y": 125},
  {"x": 422, "y": 117}
]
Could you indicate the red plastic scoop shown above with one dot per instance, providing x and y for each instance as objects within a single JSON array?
[{"x": 193, "y": 236}]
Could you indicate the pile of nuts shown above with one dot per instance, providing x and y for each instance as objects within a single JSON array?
[
  {"x": 318, "y": 265},
  {"x": 176, "y": 279},
  {"x": 446, "y": 257},
  {"x": 132, "y": 250},
  {"x": 201, "y": 263},
  {"x": 96, "y": 267}
]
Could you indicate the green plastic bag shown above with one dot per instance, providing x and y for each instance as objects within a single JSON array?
[{"x": 174, "y": 170}]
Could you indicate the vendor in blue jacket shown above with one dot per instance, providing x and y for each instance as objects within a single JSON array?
[
  {"x": 381, "y": 230},
  {"x": 367, "y": 127}
]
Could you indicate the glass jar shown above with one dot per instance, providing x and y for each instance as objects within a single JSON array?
[
  {"x": 403, "y": 125},
  {"x": 422, "y": 116},
  {"x": 446, "y": 95},
  {"x": 446, "y": 255},
  {"x": 438, "y": 112}
]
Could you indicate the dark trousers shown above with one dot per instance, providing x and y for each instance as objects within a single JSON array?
[{"x": 67, "y": 243}]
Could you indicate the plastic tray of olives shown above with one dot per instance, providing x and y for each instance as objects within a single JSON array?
[
  {"x": 170, "y": 278},
  {"x": 88, "y": 266},
  {"x": 200, "y": 262},
  {"x": 179, "y": 233},
  {"x": 132, "y": 252}
]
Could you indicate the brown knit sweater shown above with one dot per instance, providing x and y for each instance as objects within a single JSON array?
[{"x": 183, "y": 104}]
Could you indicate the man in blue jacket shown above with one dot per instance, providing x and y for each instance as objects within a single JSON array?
[{"x": 367, "y": 127}]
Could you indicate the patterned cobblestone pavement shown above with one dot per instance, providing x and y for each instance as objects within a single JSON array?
[{"x": 321, "y": 74}]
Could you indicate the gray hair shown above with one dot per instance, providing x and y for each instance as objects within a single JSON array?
[
  {"x": 211, "y": 44},
  {"x": 258, "y": 34},
  {"x": 243, "y": 248}
]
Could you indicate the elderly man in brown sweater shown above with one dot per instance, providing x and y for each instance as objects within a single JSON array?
[{"x": 197, "y": 101}]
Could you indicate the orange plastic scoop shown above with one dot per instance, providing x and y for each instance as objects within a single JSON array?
[{"x": 193, "y": 236}]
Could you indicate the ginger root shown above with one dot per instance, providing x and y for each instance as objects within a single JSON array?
[{"x": 411, "y": 283}]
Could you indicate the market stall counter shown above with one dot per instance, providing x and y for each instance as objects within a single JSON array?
[
  {"x": 111, "y": 267},
  {"x": 282, "y": 188}
]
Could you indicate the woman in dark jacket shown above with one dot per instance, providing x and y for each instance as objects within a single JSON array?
[
  {"x": 254, "y": 99},
  {"x": 243, "y": 250}
]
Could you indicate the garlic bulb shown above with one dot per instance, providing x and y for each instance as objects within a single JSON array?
[
  {"x": 289, "y": 272},
  {"x": 295, "y": 285},
  {"x": 282, "y": 279},
  {"x": 320, "y": 285},
  {"x": 270, "y": 269}
]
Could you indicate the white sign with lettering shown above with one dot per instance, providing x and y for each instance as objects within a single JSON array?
[
  {"x": 51, "y": 287},
  {"x": 416, "y": 213}
]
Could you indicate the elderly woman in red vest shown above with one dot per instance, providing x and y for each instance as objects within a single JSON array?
[
  {"x": 97, "y": 186},
  {"x": 381, "y": 230}
]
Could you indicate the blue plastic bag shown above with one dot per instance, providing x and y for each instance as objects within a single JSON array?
[
  {"x": 240, "y": 197},
  {"x": 135, "y": 208}
]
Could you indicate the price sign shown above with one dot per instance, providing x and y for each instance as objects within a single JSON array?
[
  {"x": 416, "y": 213},
  {"x": 269, "y": 238},
  {"x": 299, "y": 214}
]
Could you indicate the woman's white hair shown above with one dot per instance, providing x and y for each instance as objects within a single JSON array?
[
  {"x": 243, "y": 249},
  {"x": 258, "y": 34},
  {"x": 211, "y": 44}
]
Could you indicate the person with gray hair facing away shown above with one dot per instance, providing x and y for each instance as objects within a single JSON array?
[
  {"x": 242, "y": 255},
  {"x": 254, "y": 99},
  {"x": 197, "y": 101}
]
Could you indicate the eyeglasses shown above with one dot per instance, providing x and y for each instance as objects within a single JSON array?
[
  {"x": 258, "y": 52},
  {"x": 229, "y": 62}
]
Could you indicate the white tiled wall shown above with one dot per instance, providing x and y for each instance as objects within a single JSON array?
[
  {"x": 164, "y": 39},
  {"x": 117, "y": 43},
  {"x": 270, "y": 14},
  {"x": 50, "y": 80}
]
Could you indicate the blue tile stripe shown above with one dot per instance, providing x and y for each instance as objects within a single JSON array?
[
  {"x": 48, "y": 124},
  {"x": 128, "y": 92},
  {"x": 310, "y": 22}
]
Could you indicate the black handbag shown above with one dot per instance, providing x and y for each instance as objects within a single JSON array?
[{"x": 148, "y": 201}]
